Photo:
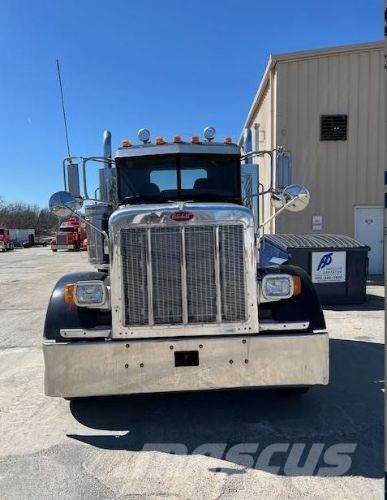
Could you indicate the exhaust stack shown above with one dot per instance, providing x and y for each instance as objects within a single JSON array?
[{"x": 107, "y": 147}]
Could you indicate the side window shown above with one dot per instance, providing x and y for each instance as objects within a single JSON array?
[{"x": 189, "y": 176}]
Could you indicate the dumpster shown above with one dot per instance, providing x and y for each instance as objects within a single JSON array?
[{"x": 337, "y": 264}]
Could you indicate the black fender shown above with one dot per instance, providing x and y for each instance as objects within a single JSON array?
[
  {"x": 303, "y": 307},
  {"x": 61, "y": 315}
]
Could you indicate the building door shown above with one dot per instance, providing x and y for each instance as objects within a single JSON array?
[{"x": 369, "y": 230}]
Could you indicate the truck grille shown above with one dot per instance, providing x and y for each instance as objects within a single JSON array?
[
  {"x": 61, "y": 239},
  {"x": 183, "y": 275}
]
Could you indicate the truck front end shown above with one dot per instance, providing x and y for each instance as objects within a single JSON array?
[
  {"x": 178, "y": 306},
  {"x": 67, "y": 238}
]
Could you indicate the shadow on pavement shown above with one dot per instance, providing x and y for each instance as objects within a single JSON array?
[
  {"x": 372, "y": 303},
  {"x": 349, "y": 410}
]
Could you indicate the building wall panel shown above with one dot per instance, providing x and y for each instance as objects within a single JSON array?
[{"x": 339, "y": 174}]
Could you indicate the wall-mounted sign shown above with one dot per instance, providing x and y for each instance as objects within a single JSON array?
[
  {"x": 328, "y": 267},
  {"x": 317, "y": 221}
]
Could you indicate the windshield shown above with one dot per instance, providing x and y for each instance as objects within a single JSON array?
[{"x": 168, "y": 178}]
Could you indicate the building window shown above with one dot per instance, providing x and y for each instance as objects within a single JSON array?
[{"x": 333, "y": 127}]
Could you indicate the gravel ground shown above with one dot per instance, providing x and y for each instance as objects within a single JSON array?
[{"x": 117, "y": 447}]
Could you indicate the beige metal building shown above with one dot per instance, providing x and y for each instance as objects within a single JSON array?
[{"x": 327, "y": 107}]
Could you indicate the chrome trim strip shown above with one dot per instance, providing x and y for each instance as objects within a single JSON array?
[
  {"x": 148, "y": 250},
  {"x": 217, "y": 277},
  {"x": 268, "y": 326},
  {"x": 184, "y": 300},
  {"x": 80, "y": 333}
]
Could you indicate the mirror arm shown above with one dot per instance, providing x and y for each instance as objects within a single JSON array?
[{"x": 85, "y": 219}]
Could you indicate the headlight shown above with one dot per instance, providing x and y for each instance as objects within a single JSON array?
[
  {"x": 90, "y": 293},
  {"x": 277, "y": 286}
]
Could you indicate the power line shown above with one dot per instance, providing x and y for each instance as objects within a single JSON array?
[{"x": 63, "y": 109}]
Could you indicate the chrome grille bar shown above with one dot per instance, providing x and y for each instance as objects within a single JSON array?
[
  {"x": 149, "y": 276},
  {"x": 184, "y": 278},
  {"x": 217, "y": 277}
]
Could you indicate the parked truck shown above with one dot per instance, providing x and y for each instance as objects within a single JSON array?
[
  {"x": 178, "y": 300},
  {"x": 71, "y": 236}
]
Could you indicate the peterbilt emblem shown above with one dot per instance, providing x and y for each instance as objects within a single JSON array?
[{"x": 182, "y": 216}]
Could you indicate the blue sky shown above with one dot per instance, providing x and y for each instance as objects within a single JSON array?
[{"x": 172, "y": 66}]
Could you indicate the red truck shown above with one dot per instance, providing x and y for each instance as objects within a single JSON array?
[
  {"x": 5, "y": 243},
  {"x": 71, "y": 236}
]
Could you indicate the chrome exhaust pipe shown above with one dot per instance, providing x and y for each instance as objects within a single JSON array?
[{"x": 107, "y": 147}]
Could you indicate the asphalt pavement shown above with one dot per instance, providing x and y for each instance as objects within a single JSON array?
[{"x": 223, "y": 444}]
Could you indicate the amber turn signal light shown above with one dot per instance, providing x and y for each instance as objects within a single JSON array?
[
  {"x": 296, "y": 285},
  {"x": 69, "y": 293}
]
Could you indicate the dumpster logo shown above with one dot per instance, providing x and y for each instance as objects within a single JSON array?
[
  {"x": 329, "y": 267},
  {"x": 325, "y": 261}
]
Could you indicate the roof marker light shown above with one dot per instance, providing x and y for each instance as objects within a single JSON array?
[
  {"x": 126, "y": 143},
  {"x": 228, "y": 140},
  {"x": 143, "y": 135},
  {"x": 160, "y": 140},
  {"x": 177, "y": 138},
  {"x": 195, "y": 139},
  {"x": 209, "y": 133}
]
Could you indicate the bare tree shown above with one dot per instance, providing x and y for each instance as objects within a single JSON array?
[{"x": 18, "y": 215}]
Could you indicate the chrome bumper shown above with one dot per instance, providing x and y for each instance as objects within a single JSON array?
[{"x": 98, "y": 368}]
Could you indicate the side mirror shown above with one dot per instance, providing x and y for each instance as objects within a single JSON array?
[
  {"x": 295, "y": 197},
  {"x": 62, "y": 203},
  {"x": 73, "y": 179},
  {"x": 283, "y": 171}
]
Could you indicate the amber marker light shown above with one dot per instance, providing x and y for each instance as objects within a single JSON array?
[
  {"x": 195, "y": 139},
  {"x": 126, "y": 143},
  {"x": 228, "y": 140},
  {"x": 160, "y": 140},
  {"x": 69, "y": 293},
  {"x": 177, "y": 138},
  {"x": 296, "y": 285}
]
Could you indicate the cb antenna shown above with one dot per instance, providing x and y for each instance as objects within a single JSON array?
[{"x": 63, "y": 110}]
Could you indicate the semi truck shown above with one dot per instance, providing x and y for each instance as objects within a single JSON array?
[
  {"x": 71, "y": 236},
  {"x": 178, "y": 300}
]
